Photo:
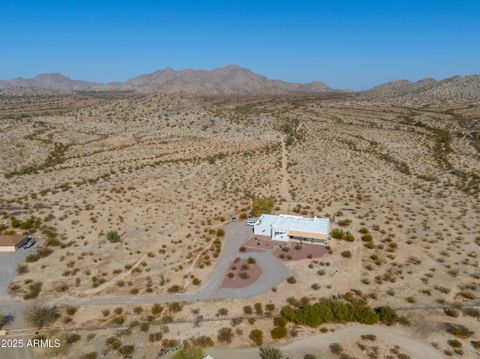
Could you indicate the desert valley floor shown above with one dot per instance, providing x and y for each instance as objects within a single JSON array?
[{"x": 166, "y": 173}]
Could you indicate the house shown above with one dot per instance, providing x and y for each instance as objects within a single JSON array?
[
  {"x": 10, "y": 243},
  {"x": 285, "y": 228},
  {"x": 207, "y": 357}
]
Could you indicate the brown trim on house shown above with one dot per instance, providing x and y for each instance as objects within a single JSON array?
[{"x": 293, "y": 233}]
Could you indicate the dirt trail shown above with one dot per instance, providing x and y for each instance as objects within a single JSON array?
[
  {"x": 284, "y": 184},
  {"x": 415, "y": 347}
]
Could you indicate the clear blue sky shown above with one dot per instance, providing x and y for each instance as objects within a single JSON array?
[{"x": 347, "y": 44}]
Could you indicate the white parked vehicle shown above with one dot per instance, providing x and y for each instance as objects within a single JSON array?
[{"x": 250, "y": 222}]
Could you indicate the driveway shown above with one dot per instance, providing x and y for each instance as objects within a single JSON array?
[
  {"x": 8, "y": 267},
  {"x": 236, "y": 234}
]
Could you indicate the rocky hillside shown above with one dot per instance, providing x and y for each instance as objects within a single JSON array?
[
  {"x": 457, "y": 88},
  {"x": 51, "y": 81}
]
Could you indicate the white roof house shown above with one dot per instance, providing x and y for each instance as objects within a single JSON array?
[
  {"x": 208, "y": 357},
  {"x": 285, "y": 227}
]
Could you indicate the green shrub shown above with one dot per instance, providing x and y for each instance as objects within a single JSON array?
[
  {"x": 367, "y": 238},
  {"x": 455, "y": 343},
  {"x": 270, "y": 353},
  {"x": 39, "y": 317},
  {"x": 256, "y": 336},
  {"x": 346, "y": 254},
  {"x": 156, "y": 309},
  {"x": 337, "y": 233},
  {"x": 126, "y": 349},
  {"x": 72, "y": 338},
  {"x": 113, "y": 237},
  {"x": 225, "y": 335},
  {"x": 387, "y": 315},
  {"x": 336, "y": 348},
  {"x": 262, "y": 205},
  {"x": 344, "y": 222},
  {"x": 349, "y": 237},
  {"x": 279, "y": 332},
  {"x": 329, "y": 311},
  {"x": 280, "y": 321},
  {"x": 189, "y": 352},
  {"x": 459, "y": 330}
]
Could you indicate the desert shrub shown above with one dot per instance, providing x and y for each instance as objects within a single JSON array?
[
  {"x": 225, "y": 335},
  {"x": 387, "y": 315},
  {"x": 40, "y": 317},
  {"x": 280, "y": 321},
  {"x": 34, "y": 290},
  {"x": 175, "y": 307},
  {"x": 126, "y": 349},
  {"x": 220, "y": 232},
  {"x": 459, "y": 330},
  {"x": 113, "y": 237},
  {"x": 91, "y": 355},
  {"x": 367, "y": 238},
  {"x": 472, "y": 312},
  {"x": 262, "y": 205},
  {"x": 327, "y": 311},
  {"x": 451, "y": 312},
  {"x": 71, "y": 310},
  {"x": 349, "y": 237},
  {"x": 309, "y": 356},
  {"x": 222, "y": 311},
  {"x": 335, "y": 348},
  {"x": 155, "y": 337},
  {"x": 72, "y": 338},
  {"x": 371, "y": 337},
  {"x": 22, "y": 269},
  {"x": 279, "y": 332},
  {"x": 455, "y": 343},
  {"x": 270, "y": 353},
  {"x": 344, "y": 222},
  {"x": 256, "y": 336},
  {"x": 247, "y": 309},
  {"x": 270, "y": 307},
  {"x": 203, "y": 341},
  {"x": 291, "y": 280},
  {"x": 189, "y": 352},
  {"x": 113, "y": 343},
  {"x": 346, "y": 254},
  {"x": 175, "y": 289},
  {"x": 156, "y": 309},
  {"x": 475, "y": 344},
  {"x": 337, "y": 233}
]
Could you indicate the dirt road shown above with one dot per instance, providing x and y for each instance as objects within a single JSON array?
[{"x": 318, "y": 344}]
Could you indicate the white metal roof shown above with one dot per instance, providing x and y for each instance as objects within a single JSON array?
[{"x": 296, "y": 223}]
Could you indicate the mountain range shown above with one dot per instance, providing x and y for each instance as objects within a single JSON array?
[
  {"x": 227, "y": 80},
  {"x": 237, "y": 80}
]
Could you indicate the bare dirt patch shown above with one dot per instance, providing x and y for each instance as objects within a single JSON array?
[{"x": 241, "y": 274}]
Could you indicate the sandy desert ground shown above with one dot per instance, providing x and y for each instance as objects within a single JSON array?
[{"x": 167, "y": 172}]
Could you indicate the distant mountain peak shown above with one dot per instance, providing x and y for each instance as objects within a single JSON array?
[{"x": 230, "y": 79}]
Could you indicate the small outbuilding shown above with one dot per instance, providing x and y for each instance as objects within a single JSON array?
[
  {"x": 286, "y": 227},
  {"x": 10, "y": 243}
]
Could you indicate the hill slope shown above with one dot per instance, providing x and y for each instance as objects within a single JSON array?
[{"x": 457, "y": 88}]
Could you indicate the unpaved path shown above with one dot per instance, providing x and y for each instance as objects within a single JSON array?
[
  {"x": 284, "y": 193},
  {"x": 417, "y": 348}
]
